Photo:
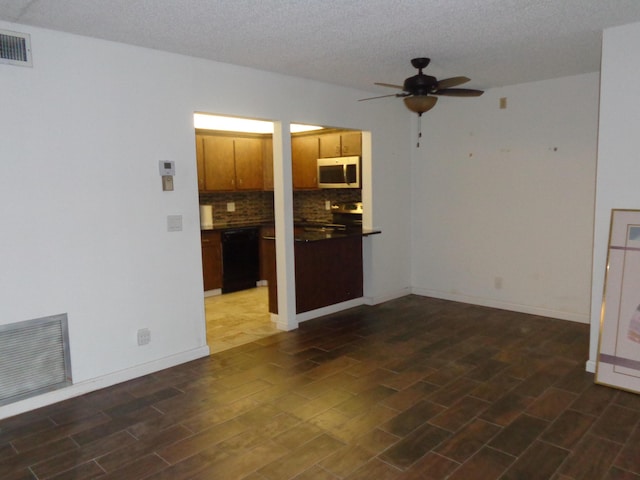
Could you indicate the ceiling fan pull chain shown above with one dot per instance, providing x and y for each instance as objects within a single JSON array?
[{"x": 419, "y": 130}]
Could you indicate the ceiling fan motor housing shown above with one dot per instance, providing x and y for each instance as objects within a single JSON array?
[{"x": 420, "y": 84}]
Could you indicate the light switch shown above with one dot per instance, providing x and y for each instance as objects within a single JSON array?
[
  {"x": 167, "y": 183},
  {"x": 231, "y": 206}
]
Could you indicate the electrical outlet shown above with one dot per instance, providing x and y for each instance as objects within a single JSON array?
[
  {"x": 327, "y": 205},
  {"x": 174, "y": 223},
  {"x": 144, "y": 336}
]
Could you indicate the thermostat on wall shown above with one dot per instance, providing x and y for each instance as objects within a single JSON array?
[{"x": 167, "y": 168}]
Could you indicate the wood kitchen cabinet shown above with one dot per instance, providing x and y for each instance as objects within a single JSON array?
[
  {"x": 267, "y": 163},
  {"x": 211, "y": 259},
  {"x": 228, "y": 163},
  {"x": 248, "y": 160},
  {"x": 319, "y": 282},
  {"x": 219, "y": 163},
  {"x": 304, "y": 157},
  {"x": 200, "y": 162},
  {"x": 340, "y": 144}
]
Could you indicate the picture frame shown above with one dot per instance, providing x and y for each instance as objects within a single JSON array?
[{"x": 618, "y": 360}]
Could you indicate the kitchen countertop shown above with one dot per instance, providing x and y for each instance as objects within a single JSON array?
[
  {"x": 230, "y": 226},
  {"x": 318, "y": 235},
  {"x": 304, "y": 232}
]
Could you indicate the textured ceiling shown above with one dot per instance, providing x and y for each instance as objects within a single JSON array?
[{"x": 354, "y": 42}]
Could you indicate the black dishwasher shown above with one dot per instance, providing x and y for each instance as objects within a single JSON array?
[{"x": 240, "y": 259}]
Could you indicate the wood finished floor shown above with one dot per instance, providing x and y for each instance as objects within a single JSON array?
[{"x": 414, "y": 388}]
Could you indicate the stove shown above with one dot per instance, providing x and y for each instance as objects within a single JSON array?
[{"x": 348, "y": 214}]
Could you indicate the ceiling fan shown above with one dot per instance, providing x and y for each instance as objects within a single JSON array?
[{"x": 419, "y": 90}]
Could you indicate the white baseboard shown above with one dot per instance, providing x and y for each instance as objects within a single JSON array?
[
  {"x": 91, "y": 385},
  {"x": 514, "y": 307},
  {"x": 590, "y": 366},
  {"x": 319, "y": 312},
  {"x": 377, "y": 299},
  {"x": 213, "y": 293}
]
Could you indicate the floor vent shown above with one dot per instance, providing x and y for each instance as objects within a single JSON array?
[
  {"x": 34, "y": 357},
  {"x": 15, "y": 48}
]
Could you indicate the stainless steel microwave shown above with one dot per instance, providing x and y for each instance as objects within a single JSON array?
[{"x": 340, "y": 172}]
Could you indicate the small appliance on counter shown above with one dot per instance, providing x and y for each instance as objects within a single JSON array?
[{"x": 206, "y": 217}]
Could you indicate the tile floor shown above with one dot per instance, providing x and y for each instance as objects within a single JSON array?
[
  {"x": 415, "y": 388},
  {"x": 237, "y": 318}
]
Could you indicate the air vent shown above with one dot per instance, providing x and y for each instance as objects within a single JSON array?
[
  {"x": 15, "y": 48},
  {"x": 35, "y": 357}
]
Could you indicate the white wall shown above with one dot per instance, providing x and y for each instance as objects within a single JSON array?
[
  {"x": 503, "y": 198},
  {"x": 618, "y": 151},
  {"x": 83, "y": 214}
]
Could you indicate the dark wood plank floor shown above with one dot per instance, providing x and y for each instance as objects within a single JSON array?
[{"x": 415, "y": 388}]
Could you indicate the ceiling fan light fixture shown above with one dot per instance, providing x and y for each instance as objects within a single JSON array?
[{"x": 420, "y": 103}]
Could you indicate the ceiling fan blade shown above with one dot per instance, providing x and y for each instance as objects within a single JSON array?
[
  {"x": 459, "y": 92},
  {"x": 452, "y": 82},
  {"x": 382, "y": 96},
  {"x": 389, "y": 85}
]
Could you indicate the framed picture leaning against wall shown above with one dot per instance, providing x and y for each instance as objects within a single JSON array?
[{"x": 618, "y": 361}]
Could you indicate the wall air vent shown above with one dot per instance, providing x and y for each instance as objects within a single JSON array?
[
  {"x": 15, "y": 48},
  {"x": 34, "y": 357}
]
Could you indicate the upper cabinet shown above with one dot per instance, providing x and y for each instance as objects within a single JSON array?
[
  {"x": 248, "y": 158},
  {"x": 227, "y": 163},
  {"x": 304, "y": 158},
  {"x": 219, "y": 164},
  {"x": 234, "y": 161},
  {"x": 200, "y": 162},
  {"x": 267, "y": 162},
  {"x": 340, "y": 144}
]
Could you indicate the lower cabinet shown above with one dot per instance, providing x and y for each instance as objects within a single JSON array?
[
  {"x": 327, "y": 272},
  {"x": 211, "y": 259}
]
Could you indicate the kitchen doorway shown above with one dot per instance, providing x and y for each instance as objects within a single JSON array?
[
  {"x": 235, "y": 184},
  {"x": 228, "y": 158}
]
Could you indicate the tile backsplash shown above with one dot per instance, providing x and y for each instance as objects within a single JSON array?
[
  {"x": 250, "y": 207},
  {"x": 310, "y": 206},
  {"x": 257, "y": 207}
]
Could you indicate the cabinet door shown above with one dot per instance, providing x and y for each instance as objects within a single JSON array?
[
  {"x": 267, "y": 163},
  {"x": 219, "y": 167},
  {"x": 248, "y": 157},
  {"x": 200, "y": 162},
  {"x": 351, "y": 143},
  {"x": 304, "y": 157},
  {"x": 330, "y": 145},
  {"x": 211, "y": 260}
]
